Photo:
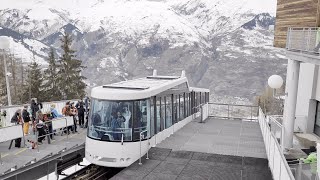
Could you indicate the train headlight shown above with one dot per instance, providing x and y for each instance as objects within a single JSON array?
[
  {"x": 97, "y": 157},
  {"x": 122, "y": 160},
  {"x": 128, "y": 159}
]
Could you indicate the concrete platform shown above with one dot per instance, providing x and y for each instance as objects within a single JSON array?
[
  {"x": 219, "y": 136},
  {"x": 22, "y": 157},
  {"x": 218, "y": 149},
  {"x": 183, "y": 165}
]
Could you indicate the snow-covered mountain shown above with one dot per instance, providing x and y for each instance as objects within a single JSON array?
[{"x": 222, "y": 44}]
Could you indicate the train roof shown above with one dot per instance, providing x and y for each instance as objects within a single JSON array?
[{"x": 143, "y": 88}]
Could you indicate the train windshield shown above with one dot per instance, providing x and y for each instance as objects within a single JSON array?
[{"x": 119, "y": 120}]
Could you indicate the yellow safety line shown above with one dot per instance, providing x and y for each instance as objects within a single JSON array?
[
  {"x": 20, "y": 151},
  {"x": 2, "y": 156}
]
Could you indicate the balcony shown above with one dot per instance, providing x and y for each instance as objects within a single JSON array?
[
  {"x": 303, "y": 44},
  {"x": 304, "y": 40}
]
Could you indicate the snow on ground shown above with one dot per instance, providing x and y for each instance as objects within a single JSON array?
[
  {"x": 19, "y": 51},
  {"x": 142, "y": 19},
  {"x": 36, "y": 46}
]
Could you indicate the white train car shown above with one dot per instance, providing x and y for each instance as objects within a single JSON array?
[{"x": 154, "y": 106}]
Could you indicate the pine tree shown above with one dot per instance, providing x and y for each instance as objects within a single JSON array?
[
  {"x": 52, "y": 90},
  {"x": 34, "y": 88},
  {"x": 70, "y": 80}
]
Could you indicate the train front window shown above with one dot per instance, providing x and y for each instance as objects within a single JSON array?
[
  {"x": 117, "y": 120},
  {"x": 111, "y": 120}
]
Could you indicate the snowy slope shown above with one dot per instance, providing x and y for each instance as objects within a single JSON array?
[{"x": 218, "y": 42}]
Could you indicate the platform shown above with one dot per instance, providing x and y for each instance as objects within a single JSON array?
[
  {"x": 21, "y": 158},
  {"x": 218, "y": 149},
  {"x": 219, "y": 136}
]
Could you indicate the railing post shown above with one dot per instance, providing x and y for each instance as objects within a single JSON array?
[
  {"x": 36, "y": 141},
  {"x": 140, "y": 163},
  {"x": 148, "y": 149},
  {"x": 24, "y": 139},
  {"x": 67, "y": 130},
  {"x": 1, "y": 163},
  {"x": 299, "y": 169},
  {"x": 251, "y": 112},
  {"x": 228, "y": 112}
]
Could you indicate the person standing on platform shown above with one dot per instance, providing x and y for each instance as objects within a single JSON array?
[
  {"x": 74, "y": 113},
  {"x": 26, "y": 120},
  {"x": 35, "y": 107},
  {"x": 81, "y": 111},
  {"x": 66, "y": 111}
]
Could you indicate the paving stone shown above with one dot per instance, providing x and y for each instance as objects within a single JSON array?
[
  {"x": 159, "y": 176},
  {"x": 169, "y": 168}
]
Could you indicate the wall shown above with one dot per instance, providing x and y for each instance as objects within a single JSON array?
[
  {"x": 305, "y": 90},
  {"x": 294, "y": 13}
]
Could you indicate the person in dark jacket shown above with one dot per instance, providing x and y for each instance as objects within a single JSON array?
[
  {"x": 26, "y": 120},
  {"x": 81, "y": 111},
  {"x": 35, "y": 107}
]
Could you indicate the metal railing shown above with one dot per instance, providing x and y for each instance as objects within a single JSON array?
[
  {"x": 10, "y": 110},
  {"x": 233, "y": 111},
  {"x": 304, "y": 171},
  {"x": 277, "y": 162},
  {"x": 54, "y": 126},
  {"x": 277, "y": 129},
  {"x": 304, "y": 39}
]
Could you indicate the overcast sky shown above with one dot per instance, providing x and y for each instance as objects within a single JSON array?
[{"x": 264, "y": 5}]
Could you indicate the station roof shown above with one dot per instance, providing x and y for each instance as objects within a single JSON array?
[{"x": 141, "y": 88}]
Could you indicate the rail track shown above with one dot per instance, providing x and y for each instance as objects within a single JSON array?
[{"x": 93, "y": 172}]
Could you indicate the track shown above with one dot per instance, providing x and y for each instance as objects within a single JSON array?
[{"x": 93, "y": 172}]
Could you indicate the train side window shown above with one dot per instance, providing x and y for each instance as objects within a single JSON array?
[
  {"x": 140, "y": 120},
  {"x": 152, "y": 116},
  {"x": 163, "y": 113},
  {"x": 158, "y": 109},
  {"x": 168, "y": 111}
]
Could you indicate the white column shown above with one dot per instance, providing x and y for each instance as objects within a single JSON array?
[{"x": 290, "y": 101}]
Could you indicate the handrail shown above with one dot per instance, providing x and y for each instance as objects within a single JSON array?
[
  {"x": 271, "y": 141},
  {"x": 141, "y": 133},
  {"x": 224, "y": 104}
]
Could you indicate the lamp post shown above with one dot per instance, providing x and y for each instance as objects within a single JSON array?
[
  {"x": 4, "y": 45},
  {"x": 275, "y": 82}
]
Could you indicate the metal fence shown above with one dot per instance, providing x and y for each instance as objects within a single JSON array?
[
  {"x": 304, "y": 171},
  {"x": 277, "y": 162},
  {"x": 303, "y": 39},
  {"x": 246, "y": 112},
  {"x": 10, "y": 110}
]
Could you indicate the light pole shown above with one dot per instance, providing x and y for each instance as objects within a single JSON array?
[
  {"x": 275, "y": 82},
  {"x": 4, "y": 45}
]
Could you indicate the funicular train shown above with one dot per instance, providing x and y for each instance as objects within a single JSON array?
[{"x": 154, "y": 106}]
